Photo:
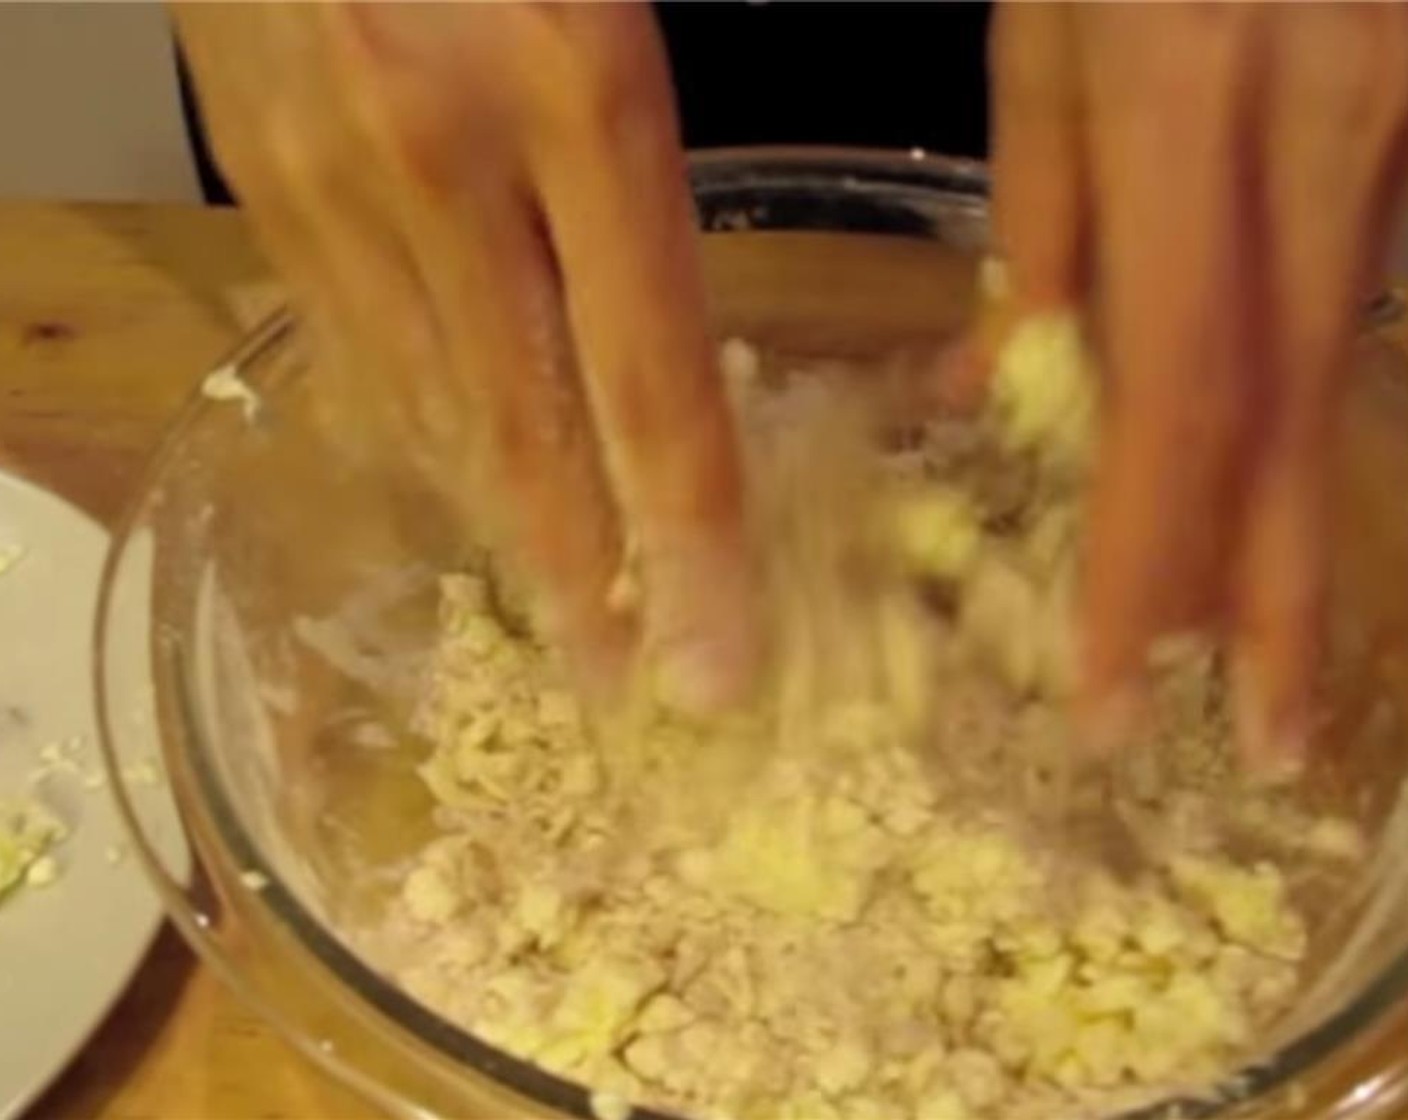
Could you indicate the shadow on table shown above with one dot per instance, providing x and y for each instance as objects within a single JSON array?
[{"x": 127, "y": 1037}]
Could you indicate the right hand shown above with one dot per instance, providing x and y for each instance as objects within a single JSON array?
[
  {"x": 1212, "y": 185},
  {"x": 484, "y": 212}
]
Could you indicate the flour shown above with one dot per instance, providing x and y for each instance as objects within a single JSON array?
[{"x": 851, "y": 899}]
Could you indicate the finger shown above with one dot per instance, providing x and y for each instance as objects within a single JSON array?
[
  {"x": 385, "y": 368},
  {"x": 1332, "y": 139},
  {"x": 1038, "y": 186},
  {"x": 1175, "y": 334},
  {"x": 286, "y": 235},
  {"x": 280, "y": 135},
  {"x": 529, "y": 469},
  {"x": 288, "y": 155},
  {"x": 1038, "y": 191},
  {"x": 963, "y": 370},
  {"x": 501, "y": 312},
  {"x": 616, "y": 198},
  {"x": 387, "y": 359}
]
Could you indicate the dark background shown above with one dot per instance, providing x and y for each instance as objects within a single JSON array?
[
  {"x": 888, "y": 75},
  {"x": 872, "y": 74}
]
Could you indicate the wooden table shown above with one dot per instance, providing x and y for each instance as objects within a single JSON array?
[{"x": 108, "y": 316}]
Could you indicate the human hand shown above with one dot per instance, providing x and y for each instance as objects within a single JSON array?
[
  {"x": 1213, "y": 185},
  {"x": 483, "y": 210}
]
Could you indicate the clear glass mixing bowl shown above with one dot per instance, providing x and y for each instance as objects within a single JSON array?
[{"x": 276, "y": 598}]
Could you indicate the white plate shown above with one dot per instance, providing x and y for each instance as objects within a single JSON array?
[{"x": 69, "y": 949}]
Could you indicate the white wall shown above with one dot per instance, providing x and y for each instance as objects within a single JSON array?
[{"x": 89, "y": 104}]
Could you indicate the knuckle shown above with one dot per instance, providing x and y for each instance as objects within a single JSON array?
[
  {"x": 424, "y": 128},
  {"x": 1351, "y": 96},
  {"x": 298, "y": 155},
  {"x": 1392, "y": 78},
  {"x": 237, "y": 142},
  {"x": 1028, "y": 52},
  {"x": 241, "y": 160},
  {"x": 284, "y": 149},
  {"x": 612, "y": 94},
  {"x": 1356, "y": 74},
  {"x": 616, "y": 89},
  {"x": 421, "y": 141},
  {"x": 609, "y": 72},
  {"x": 415, "y": 89}
]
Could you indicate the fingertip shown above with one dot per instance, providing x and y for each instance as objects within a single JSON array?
[
  {"x": 1107, "y": 717},
  {"x": 1271, "y": 727},
  {"x": 1111, "y": 694},
  {"x": 1110, "y": 682},
  {"x": 706, "y": 673},
  {"x": 703, "y": 636},
  {"x": 961, "y": 372},
  {"x": 596, "y": 645},
  {"x": 1279, "y": 595}
]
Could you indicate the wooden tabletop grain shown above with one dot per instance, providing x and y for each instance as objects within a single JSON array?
[{"x": 108, "y": 316}]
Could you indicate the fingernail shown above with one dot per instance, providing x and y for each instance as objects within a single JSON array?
[
  {"x": 623, "y": 596},
  {"x": 701, "y": 629},
  {"x": 600, "y": 672},
  {"x": 1110, "y": 721},
  {"x": 994, "y": 279},
  {"x": 960, "y": 375},
  {"x": 1253, "y": 727},
  {"x": 701, "y": 675},
  {"x": 596, "y": 646},
  {"x": 1283, "y": 765},
  {"x": 1273, "y": 748},
  {"x": 1275, "y": 755}
]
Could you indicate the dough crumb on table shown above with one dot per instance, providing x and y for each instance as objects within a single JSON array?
[{"x": 852, "y": 901}]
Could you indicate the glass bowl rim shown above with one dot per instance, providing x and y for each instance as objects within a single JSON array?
[{"x": 826, "y": 168}]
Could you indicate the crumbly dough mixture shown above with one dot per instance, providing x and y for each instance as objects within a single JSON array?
[
  {"x": 27, "y": 832},
  {"x": 874, "y": 896}
]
